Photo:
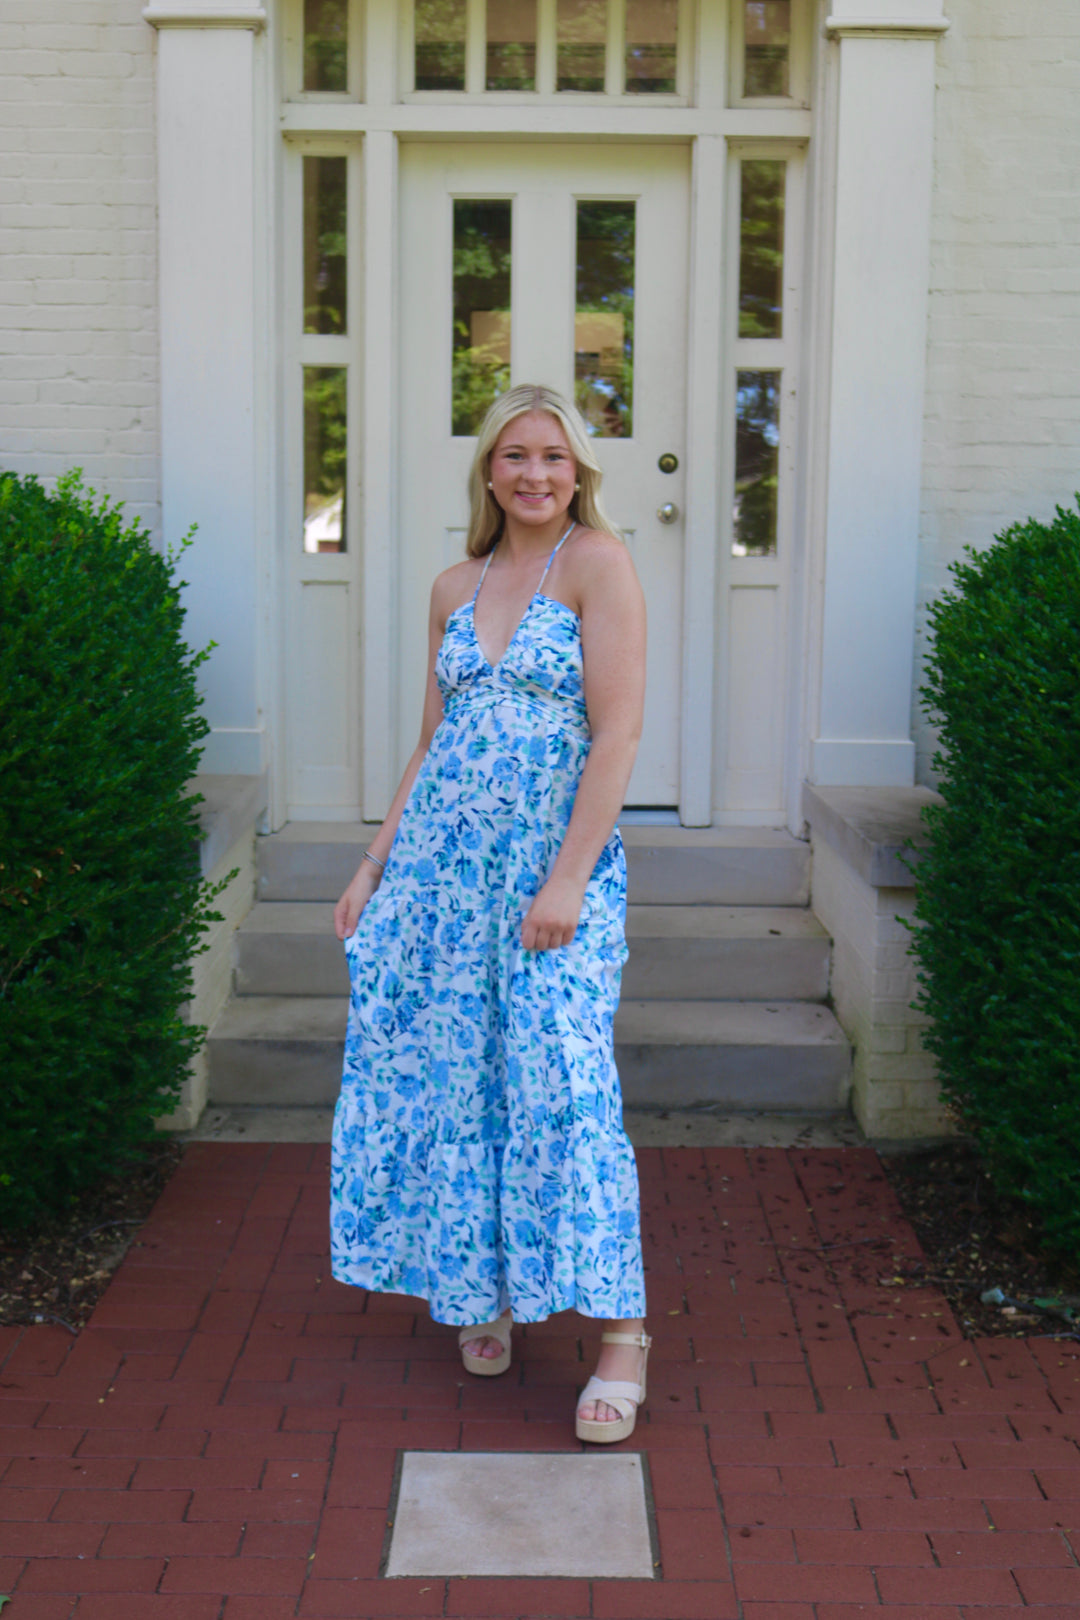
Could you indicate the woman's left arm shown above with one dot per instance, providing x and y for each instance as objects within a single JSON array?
[{"x": 613, "y": 643}]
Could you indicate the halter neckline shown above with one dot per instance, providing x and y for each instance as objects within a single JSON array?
[
  {"x": 543, "y": 576},
  {"x": 528, "y": 606}
]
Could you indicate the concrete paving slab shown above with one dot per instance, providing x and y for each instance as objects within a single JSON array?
[{"x": 515, "y": 1513}]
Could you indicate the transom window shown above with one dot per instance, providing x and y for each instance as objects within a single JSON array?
[
  {"x": 623, "y": 51},
  {"x": 573, "y": 47}
]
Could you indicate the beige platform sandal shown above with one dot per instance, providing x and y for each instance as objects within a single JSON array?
[
  {"x": 487, "y": 1366},
  {"x": 625, "y": 1397}
]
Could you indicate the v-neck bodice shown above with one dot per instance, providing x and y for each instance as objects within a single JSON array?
[
  {"x": 542, "y": 667},
  {"x": 541, "y": 671}
]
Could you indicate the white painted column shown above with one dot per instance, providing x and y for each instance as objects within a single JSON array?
[
  {"x": 879, "y": 304},
  {"x": 206, "y": 237}
]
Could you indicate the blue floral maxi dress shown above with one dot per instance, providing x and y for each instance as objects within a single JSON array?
[{"x": 479, "y": 1156}]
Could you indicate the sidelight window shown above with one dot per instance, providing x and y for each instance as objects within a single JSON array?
[{"x": 763, "y": 352}]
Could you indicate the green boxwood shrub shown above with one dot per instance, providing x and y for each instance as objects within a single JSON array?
[
  {"x": 998, "y": 915},
  {"x": 101, "y": 901}
]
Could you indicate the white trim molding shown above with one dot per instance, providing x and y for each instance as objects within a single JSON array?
[
  {"x": 837, "y": 27},
  {"x": 205, "y": 16},
  {"x": 910, "y": 19}
]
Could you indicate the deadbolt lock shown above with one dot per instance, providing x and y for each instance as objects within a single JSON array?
[{"x": 668, "y": 462}]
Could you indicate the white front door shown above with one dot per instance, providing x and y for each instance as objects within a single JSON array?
[{"x": 565, "y": 265}]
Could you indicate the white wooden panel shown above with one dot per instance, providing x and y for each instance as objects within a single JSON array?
[
  {"x": 324, "y": 740},
  {"x": 752, "y": 768}
]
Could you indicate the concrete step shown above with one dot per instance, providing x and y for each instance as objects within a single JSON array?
[
  {"x": 715, "y": 866},
  {"x": 742, "y": 953},
  {"x": 789, "y": 1055},
  {"x": 786, "y": 1056}
]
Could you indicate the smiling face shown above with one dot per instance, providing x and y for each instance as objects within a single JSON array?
[{"x": 533, "y": 470}]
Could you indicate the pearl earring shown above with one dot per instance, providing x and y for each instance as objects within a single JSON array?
[
  {"x": 577, "y": 486},
  {"x": 489, "y": 483}
]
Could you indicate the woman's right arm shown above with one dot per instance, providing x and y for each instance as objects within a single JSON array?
[{"x": 367, "y": 878}]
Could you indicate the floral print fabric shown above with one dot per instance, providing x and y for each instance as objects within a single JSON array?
[{"x": 479, "y": 1158}]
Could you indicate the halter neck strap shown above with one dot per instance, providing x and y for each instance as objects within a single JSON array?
[
  {"x": 547, "y": 565},
  {"x": 554, "y": 554},
  {"x": 483, "y": 571}
]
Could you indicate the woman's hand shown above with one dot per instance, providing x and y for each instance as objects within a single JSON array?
[
  {"x": 356, "y": 896},
  {"x": 553, "y": 917}
]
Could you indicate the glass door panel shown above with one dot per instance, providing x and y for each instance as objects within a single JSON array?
[
  {"x": 604, "y": 318},
  {"x": 481, "y": 338}
]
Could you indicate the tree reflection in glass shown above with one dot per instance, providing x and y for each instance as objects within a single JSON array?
[
  {"x": 767, "y": 47},
  {"x": 326, "y": 45},
  {"x": 511, "y": 45},
  {"x": 761, "y": 248},
  {"x": 604, "y": 318},
  {"x": 325, "y": 260},
  {"x": 652, "y": 34},
  {"x": 440, "y": 44},
  {"x": 481, "y": 347},
  {"x": 325, "y": 448},
  {"x": 757, "y": 463},
  {"x": 582, "y": 45}
]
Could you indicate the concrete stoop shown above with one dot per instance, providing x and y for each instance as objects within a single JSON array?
[{"x": 723, "y": 991}]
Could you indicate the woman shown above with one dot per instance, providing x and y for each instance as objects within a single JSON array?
[{"x": 479, "y": 1156}]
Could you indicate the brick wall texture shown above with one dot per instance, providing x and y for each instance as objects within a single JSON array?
[
  {"x": 1003, "y": 384},
  {"x": 873, "y": 983},
  {"x": 78, "y": 264}
]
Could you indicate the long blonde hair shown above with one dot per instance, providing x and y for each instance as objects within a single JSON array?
[{"x": 486, "y": 516}]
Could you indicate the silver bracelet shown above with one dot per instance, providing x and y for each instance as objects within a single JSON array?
[{"x": 374, "y": 859}]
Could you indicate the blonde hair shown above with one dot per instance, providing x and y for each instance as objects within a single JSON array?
[{"x": 486, "y": 516}]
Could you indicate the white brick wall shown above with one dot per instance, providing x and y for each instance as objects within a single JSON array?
[
  {"x": 873, "y": 983},
  {"x": 78, "y": 243},
  {"x": 1003, "y": 383},
  {"x": 212, "y": 972}
]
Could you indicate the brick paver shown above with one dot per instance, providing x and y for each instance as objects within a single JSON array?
[{"x": 220, "y": 1442}]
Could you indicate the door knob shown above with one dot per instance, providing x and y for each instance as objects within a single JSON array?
[{"x": 668, "y": 512}]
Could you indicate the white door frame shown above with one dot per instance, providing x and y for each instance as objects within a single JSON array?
[
  {"x": 707, "y": 128},
  {"x": 874, "y": 95}
]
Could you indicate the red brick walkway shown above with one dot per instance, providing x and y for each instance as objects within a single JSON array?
[{"x": 219, "y": 1444}]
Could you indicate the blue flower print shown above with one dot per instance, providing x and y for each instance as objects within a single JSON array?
[{"x": 479, "y": 1157}]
